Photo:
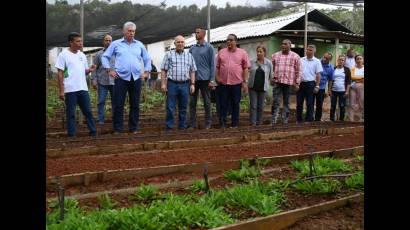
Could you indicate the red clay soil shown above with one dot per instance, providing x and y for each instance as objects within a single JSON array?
[
  {"x": 126, "y": 138},
  {"x": 63, "y": 166},
  {"x": 349, "y": 217}
]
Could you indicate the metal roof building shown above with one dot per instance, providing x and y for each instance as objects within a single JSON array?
[{"x": 320, "y": 25}]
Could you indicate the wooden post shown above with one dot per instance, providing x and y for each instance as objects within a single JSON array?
[{"x": 306, "y": 26}]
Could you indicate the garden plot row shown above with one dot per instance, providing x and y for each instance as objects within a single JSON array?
[
  {"x": 194, "y": 139},
  {"x": 148, "y": 124},
  {"x": 201, "y": 132},
  {"x": 98, "y": 181},
  {"x": 93, "y": 163},
  {"x": 253, "y": 195}
]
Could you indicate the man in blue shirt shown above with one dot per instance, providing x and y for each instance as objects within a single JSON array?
[
  {"x": 129, "y": 54},
  {"x": 204, "y": 57},
  {"x": 326, "y": 75}
]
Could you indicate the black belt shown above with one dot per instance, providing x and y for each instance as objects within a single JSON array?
[{"x": 178, "y": 82}]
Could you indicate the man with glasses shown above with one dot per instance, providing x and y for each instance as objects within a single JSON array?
[{"x": 231, "y": 74}]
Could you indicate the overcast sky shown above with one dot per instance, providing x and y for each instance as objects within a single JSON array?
[{"x": 201, "y": 3}]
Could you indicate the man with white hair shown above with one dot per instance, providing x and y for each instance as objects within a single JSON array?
[
  {"x": 128, "y": 53},
  {"x": 178, "y": 81}
]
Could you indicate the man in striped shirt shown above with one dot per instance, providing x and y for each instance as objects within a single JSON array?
[
  {"x": 286, "y": 72},
  {"x": 177, "y": 80}
]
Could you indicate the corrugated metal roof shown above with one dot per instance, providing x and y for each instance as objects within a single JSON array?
[{"x": 248, "y": 28}]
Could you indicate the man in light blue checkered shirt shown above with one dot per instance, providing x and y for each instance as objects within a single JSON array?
[{"x": 178, "y": 80}]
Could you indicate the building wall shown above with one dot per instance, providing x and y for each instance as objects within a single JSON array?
[
  {"x": 156, "y": 51},
  {"x": 250, "y": 46},
  {"x": 321, "y": 47}
]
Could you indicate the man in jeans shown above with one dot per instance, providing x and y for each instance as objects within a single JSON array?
[
  {"x": 72, "y": 68},
  {"x": 128, "y": 53},
  {"x": 310, "y": 81},
  {"x": 326, "y": 76},
  {"x": 203, "y": 54},
  {"x": 101, "y": 81},
  {"x": 286, "y": 73},
  {"x": 231, "y": 75},
  {"x": 177, "y": 80}
]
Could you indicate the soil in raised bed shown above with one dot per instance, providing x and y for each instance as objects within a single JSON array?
[
  {"x": 78, "y": 164},
  {"x": 349, "y": 217}
]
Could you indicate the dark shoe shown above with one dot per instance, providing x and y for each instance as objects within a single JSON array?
[
  {"x": 93, "y": 134},
  {"x": 100, "y": 122},
  {"x": 116, "y": 133},
  {"x": 135, "y": 132},
  {"x": 207, "y": 126}
]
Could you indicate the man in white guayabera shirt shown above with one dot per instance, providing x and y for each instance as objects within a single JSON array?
[{"x": 309, "y": 85}]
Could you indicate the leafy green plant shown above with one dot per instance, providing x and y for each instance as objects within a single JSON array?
[
  {"x": 106, "y": 202},
  {"x": 145, "y": 193},
  {"x": 177, "y": 212},
  {"x": 245, "y": 173},
  {"x": 244, "y": 104},
  {"x": 360, "y": 158},
  {"x": 70, "y": 209},
  {"x": 262, "y": 162},
  {"x": 356, "y": 181},
  {"x": 318, "y": 186},
  {"x": 255, "y": 196},
  {"x": 151, "y": 100},
  {"x": 174, "y": 212},
  {"x": 323, "y": 165},
  {"x": 198, "y": 186}
]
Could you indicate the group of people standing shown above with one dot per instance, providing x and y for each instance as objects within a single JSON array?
[{"x": 123, "y": 64}]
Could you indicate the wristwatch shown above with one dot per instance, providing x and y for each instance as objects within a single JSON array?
[
  {"x": 246, "y": 81},
  {"x": 192, "y": 83}
]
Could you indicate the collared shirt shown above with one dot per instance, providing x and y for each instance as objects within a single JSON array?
[
  {"x": 178, "y": 65},
  {"x": 231, "y": 65},
  {"x": 286, "y": 68},
  {"x": 100, "y": 75},
  {"x": 350, "y": 62},
  {"x": 128, "y": 58},
  {"x": 267, "y": 68},
  {"x": 204, "y": 60},
  {"x": 326, "y": 74},
  {"x": 310, "y": 67},
  {"x": 74, "y": 66},
  {"x": 339, "y": 78}
]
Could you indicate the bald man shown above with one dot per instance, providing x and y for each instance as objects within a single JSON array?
[
  {"x": 178, "y": 81},
  {"x": 101, "y": 80}
]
